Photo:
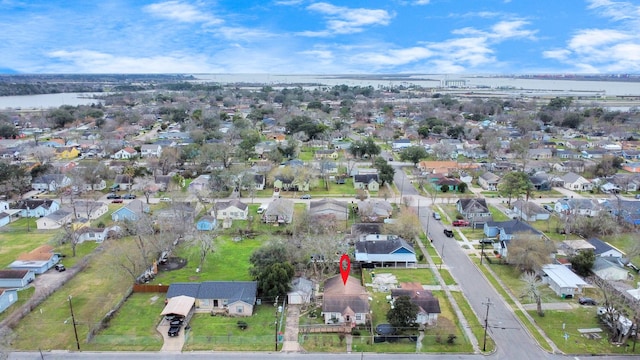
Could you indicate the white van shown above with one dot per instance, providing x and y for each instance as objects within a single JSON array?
[{"x": 263, "y": 208}]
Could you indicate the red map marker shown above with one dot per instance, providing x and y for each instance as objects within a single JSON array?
[{"x": 344, "y": 269}]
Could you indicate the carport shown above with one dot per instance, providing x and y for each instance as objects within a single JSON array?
[{"x": 179, "y": 305}]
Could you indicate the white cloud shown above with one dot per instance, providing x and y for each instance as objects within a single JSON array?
[
  {"x": 181, "y": 12},
  {"x": 288, "y": 2},
  {"x": 87, "y": 61},
  {"x": 421, "y": 2},
  {"x": 602, "y": 50},
  {"x": 344, "y": 20}
]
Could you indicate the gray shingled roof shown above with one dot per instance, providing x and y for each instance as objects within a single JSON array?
[
  {"x": 382, "y": 246},
  {"x": 231, "y": 290}
]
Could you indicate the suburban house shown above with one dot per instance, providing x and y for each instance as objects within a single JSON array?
[
  {"x": 562, "y": 281},
  {"x": 573, "y": 181},
  {"x": 87, "y": 209},
  {"x": 369, "y": 182},
  {"x": 259, "y": 181},
  {"x": 400, "y": 144},
  {"x": 199, "y": 184},
  {"x": 280, "y": 211},
  {"x": 529, "y": 211},
  {"x": 541, "y": 181},
  {"x": 585, "y": 207},
  {"x": 122, "y": 182},
  {"x": 130, "y": 212},
  {"x": 206, "y": 223},
  {"x": 506, "y": 230},
  {"x": 37, "y": 207},
  {"x": 448, "y": 183},
  {"x": 7, "y": 298},
  {"x": 290, "y": 184},
  {"x": 50, "y": 182},
  {"x": 5, "y": 218},
  {"x": 67, "y": 152},
  {"x": 98, "y": 185},
  {"x": 474, "y": 209},
  {"x": 235, "y": 298},
  {"x": 38, "y": 260},
  {"x": 126, "y": 153},
  {"x": 301, "y": 291},
  {"x": 233, "y": 209},
  {"x": 385, "y": 250},
  {"x": 329, "y": 208},
  {"x": 489, "y": 181},
  {"x": 446, "y": 168},
  {"x": 16, "y": 279},
  {"x": 55, "y": 220},
  {"x": 605, "y": 250},
  {"x": 327, "y": 154},
  {"x": 628, "y": 210},
  {"x": 345, "y": 303},
  {"x": 373, "y": 210},
  {"x": 95, "y": 234},
  {"x": 150, "y": 150},
  {"x": 428, "y": 305},
  {"x": 609, "y": 269}
]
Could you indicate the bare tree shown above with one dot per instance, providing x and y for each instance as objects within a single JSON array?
[
  {"x": 529, "y": 252},
  {"x": 406, "y": 225},
  {"x": 532, "y": 289}
]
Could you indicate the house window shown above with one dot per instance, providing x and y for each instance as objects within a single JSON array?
[
  {"x": 225, "y": 302},
  {"x": 358, "y": 317},
  {"x": 239, "y": 309},
  {"x": 205, "y": 302}
]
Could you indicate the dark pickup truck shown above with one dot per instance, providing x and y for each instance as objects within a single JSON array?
[{"x": 448, "y": 233}]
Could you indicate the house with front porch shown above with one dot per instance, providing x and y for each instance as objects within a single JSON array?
[
  {"x": 132, "y": 211},
  {"x": 345, "y": 303},
  {"x": 529, "y": 211},
  {"x": 233, "y": 209},
  {"x": 50, "y": 182},
  {"x": 489, "y": 181},
  {"x": 573, "y": 181},
  {"x": 233, "y": 298},
  {"x": 428, "y": 305},
  {"x": 385, "y": 251},
  {"x": 474, "y": 209},
  {"x": 36, "y": 208}
]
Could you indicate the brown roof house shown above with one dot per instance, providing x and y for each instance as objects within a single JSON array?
[
  {"x": 428, "y": 305},
  {"x": 345, "y": 303},
  {"x": 38, "y": 260}
]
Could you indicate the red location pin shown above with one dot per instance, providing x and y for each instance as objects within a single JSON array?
[{"x": 344, "y": 269}]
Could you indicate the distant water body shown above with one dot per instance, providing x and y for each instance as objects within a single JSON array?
[
  {"x": 608, "y": 88},
  {"x": 516, "y": 86},
  {"x": 46, "y": 101}
]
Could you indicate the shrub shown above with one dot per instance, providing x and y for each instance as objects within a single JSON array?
[{"x": 451, "y": 339}]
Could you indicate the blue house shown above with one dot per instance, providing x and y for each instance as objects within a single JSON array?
[
  {"x": 38, "y": 260},
  {"x": 37, "y": 207},
  {"x": 628, "y": 210},
  {"x": 206, "y": 223},
  {"x": 4, "y": 218},
  {"x": 7, "y": 298},
  {"x": 131, "y": 212},
  {"x": 16, "y": 279}
]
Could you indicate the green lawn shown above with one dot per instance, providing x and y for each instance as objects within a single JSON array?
[
  {"x": 222, "y": 332},
  {"x": 423, "y": 276},
  {"x": 138, "y": 335},
  {"x": 476, "y": 327},
  {"x": 16, "y": 240}
]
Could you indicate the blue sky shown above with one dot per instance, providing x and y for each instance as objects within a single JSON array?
[{"x": 320, "y": 37}]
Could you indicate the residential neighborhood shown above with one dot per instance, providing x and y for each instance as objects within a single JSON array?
[{"x": 220, "y": 214}]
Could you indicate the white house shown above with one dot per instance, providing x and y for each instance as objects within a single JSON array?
[
  {"x": 126, "y": 153},
  {"x": 400, "y": 144},
  {"x": 234, "y": 209},
  {"x": 609, "y": 269},
  {"x": 573, "y": 181},
  {"x": 301, "y": 291},
  {"x": 54, "y": 220},
  {"x": 150, "y": 150},
  {"x": 87, "y": 209},
  {"x": 562, "y": 280}
]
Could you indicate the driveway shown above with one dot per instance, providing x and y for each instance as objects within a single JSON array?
[
  {"x": 290, "y": 343},
  {"x": 170, "y": 344}
]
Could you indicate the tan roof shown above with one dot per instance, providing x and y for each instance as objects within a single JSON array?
[{"x": 179, "y": 305}]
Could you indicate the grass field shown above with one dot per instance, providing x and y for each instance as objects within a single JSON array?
[{"x": 16, "y": 240}]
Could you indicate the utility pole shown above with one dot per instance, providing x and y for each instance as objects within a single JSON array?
[
  {"x": 481, "y": 250},
  {"x": 275, "y": 304},
  {"x": 486, "y": 324},
  {"x": 28, "y": 229},
  {"x": 441, "y": 256},
  {"x": 73, "y": 319}
]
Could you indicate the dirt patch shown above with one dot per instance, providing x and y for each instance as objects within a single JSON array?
[{"x": 173, "y": 263}]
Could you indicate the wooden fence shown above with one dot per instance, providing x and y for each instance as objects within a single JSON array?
[
  {"x": 345, "y": 329},
  {"x": 147, "y": 288}
]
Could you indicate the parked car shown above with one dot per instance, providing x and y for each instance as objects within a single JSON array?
[
  {"x": 460, "y": 223},
  {"x": 448, "y": 232},
  {"x": 262, "y": 208},
  {"x": 129, "y": 196},
  {"x": 548, "y": 207},
  {"x": 305, "y": 196},
  {"x": 113, "y": 196},
  {"x": 587, "y": 301},
  {"x": 60, "y": 267},
  {"x": 174, "y": 330},
  {"x": 436, "y": 216},
  {"x": 117, "y": 201},
  {"x": 165, "y": 199}
]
